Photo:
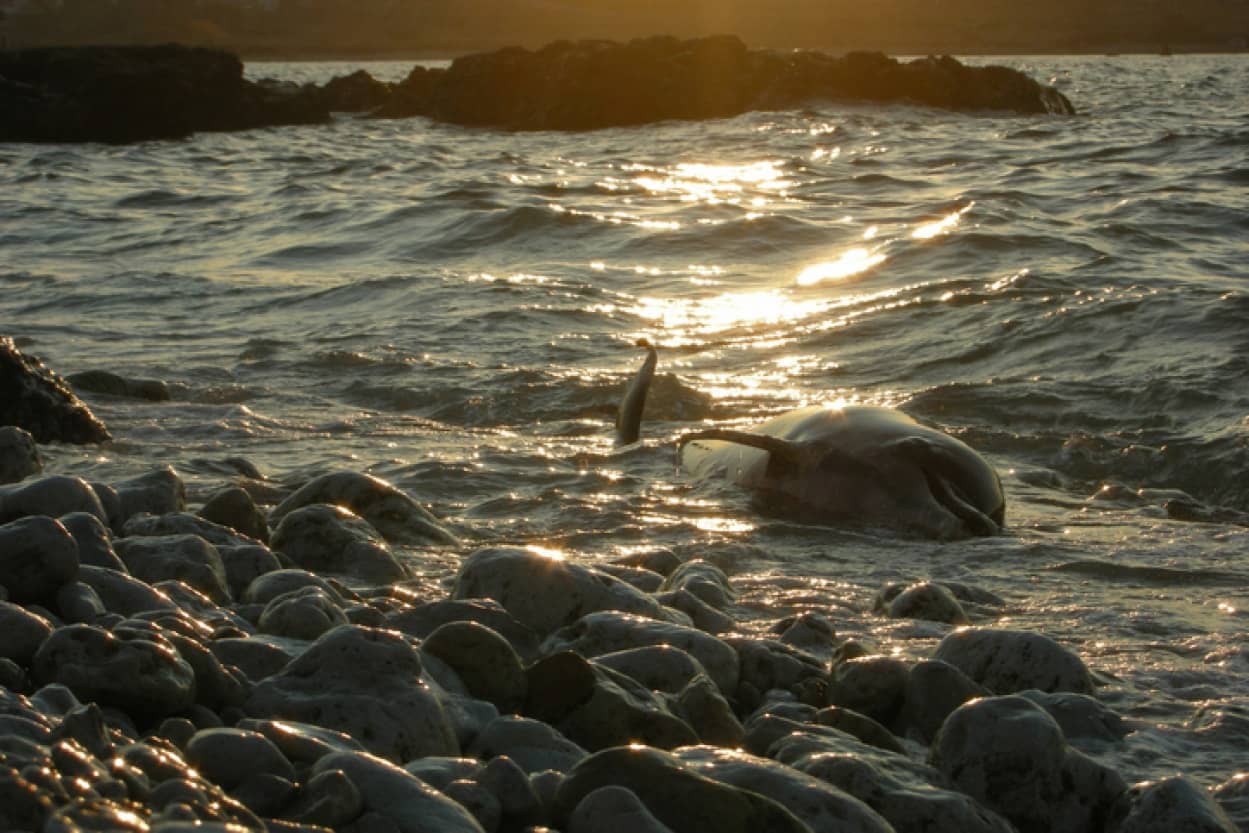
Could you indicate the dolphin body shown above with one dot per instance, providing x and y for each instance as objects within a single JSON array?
[{"x": 855, "y": 464}]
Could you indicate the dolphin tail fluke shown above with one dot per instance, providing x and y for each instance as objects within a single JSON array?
[
  {"x": 782, "y": 451},
  {"x": 629, "y": 417}
]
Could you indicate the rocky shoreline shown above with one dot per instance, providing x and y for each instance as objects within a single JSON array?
[
  {"x": 268, "y": 662},
  {"x": 131, "y": 94}
]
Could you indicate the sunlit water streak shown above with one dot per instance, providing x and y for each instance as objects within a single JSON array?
[{"x": 455, "y": 310}]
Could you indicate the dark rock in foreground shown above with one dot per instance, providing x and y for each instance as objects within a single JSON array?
[
  {"x": 592, "y": 84},
  {"x": 136, "y": 93},
  {"x": 34, "y": 398}
]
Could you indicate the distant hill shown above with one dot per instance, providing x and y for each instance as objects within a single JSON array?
[{"x": 359, "y": 28}]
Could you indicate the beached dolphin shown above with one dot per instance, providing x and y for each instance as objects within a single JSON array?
[{"x": 854, "y": 464}]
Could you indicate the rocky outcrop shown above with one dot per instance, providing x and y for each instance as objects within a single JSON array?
[
  {"x": 592, "y": 84},
  {"x": 33, "y": 397},
  {"x": 129, "y": 94},
  {"x": 135, "y": 93}
]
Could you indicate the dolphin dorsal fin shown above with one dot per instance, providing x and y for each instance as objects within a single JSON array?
[
  {"x": 629, "y": 417},
  {"x": 782, "y": 451}
]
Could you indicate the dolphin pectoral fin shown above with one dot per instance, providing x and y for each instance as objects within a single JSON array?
[
  {"x": 629, "y": 416},
  {"x": 782, "y": 451},
  {"x": 977, "y": 522}
]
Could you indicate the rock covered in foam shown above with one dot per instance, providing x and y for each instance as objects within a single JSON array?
[
  {"x": 366, "y": 683},
  {"x": 36, "y": 399},
  {"x": 392, "y": 513},
  {"x": 1010, "y": 755},
  {"x": 331, "y": 539},
  {"x": 19, "y": 455},
  {"x": 547, "y": 593},
  {"x": 37, "y": 557},
  {"x": 1006, "y": 661}
]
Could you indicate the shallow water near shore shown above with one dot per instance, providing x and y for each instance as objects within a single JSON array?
[{"x": 455, "y": 311}]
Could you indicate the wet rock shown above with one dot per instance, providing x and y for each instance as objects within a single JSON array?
[
  {"x": 399, "y": 796},
  {"x": 54, "y": 495},
  {"x": 700, "y": 614},
  {"x": 767, "y": 664},
  {"x": 704, "y": 580},
  {"x": 424, "y": 619},
  {"x": 1233, "y": 798},
  {"x": 675, "y": 794},
  {"x": 508, "y": 783},
  {"x": 647, "y": 581},
  {"x": 478, "y": 800},
  {"x": 122, "y": 593},
  {"x": 811, "y": 633},
  {"x": 229, "y": 757},
  {"x": 708, "y": 713},
  {"x": 186, "y": 558},
  {"x": 256, "y": 658},
  {"x": 268, "y": 586},
  {"x": 235, "y": 509},
  {"x": 301, "y": 743},
  {"x": 1172, "y": 805},
  {"x": 142, "y": 676},
  {"x": 245, "y": 564},
  {"x": 95, "y": 544},
  {"x": 438, "y": 772},
  {"x": 158, "y": 492},
  {"x": 77, "y": 602},
  {"x": 329, "y": 799},
  {"x": 597, "y": 708},
  {"x": 660, "y": 561},
  {"x": 1008, "y": 754},
  {"x": 37, "y": 557},
  {"x": 532, "y": 744},
  {"x": 658, "y": 667},
  {"x": 37, "y": 400},
  {"x": 912, "y": 797},
  {"x": 483, "y": 659},
  {"x": 392, "y": 513},
  {"x": 933, "y": 690},
  {"x": 366, "y": 683},
  {"x": 113, "y": 384},
  {"x": 23, "y": 632},
  {"x": 860, "y": 726},
  {"x": 815, "y": 802},
  {"x": 871, "y": 685},
  {"x": 613, "y": 809},
  {"x": 19, "y": 455},
  {"x": 924, "y": 600},
  {"x": 216, "y": 686},
  {"x": 1079, "y": 715},
  {"x": 184, "y": 523},
  {"x": 1005, "y": 661},
  {"x": 546, "y": 593},
  {"x": 305, "y": 613},
  {"x": 605, "y": 632},
  {"x": 330, "y": 539}
]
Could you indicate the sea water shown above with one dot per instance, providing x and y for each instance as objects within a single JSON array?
[{"x": 456, "y": 311}]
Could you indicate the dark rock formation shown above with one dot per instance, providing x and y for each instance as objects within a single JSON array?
[
  {"x": 127, "y": 94},
  {"x": 136, "y": 93},
  {"x": 36, "y": 399},
  {"x": 593, "y": 84}
]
